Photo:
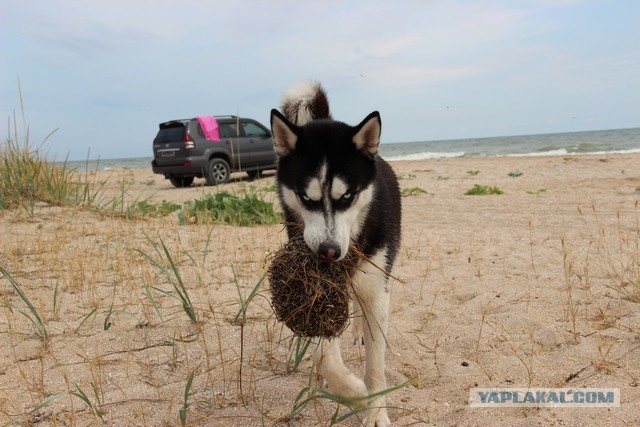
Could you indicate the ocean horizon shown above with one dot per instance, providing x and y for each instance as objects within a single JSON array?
[{"x": 552, "y": 144}]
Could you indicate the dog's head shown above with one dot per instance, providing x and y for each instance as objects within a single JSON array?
[{"x": 325, "y": 177}]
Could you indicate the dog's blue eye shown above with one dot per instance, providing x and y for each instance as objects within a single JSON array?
[
  {"x": 304, "y": 197},
  {"x": 346, "y": 196}
]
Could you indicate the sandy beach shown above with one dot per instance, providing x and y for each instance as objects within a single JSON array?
[{"x": 535, "y": 287}]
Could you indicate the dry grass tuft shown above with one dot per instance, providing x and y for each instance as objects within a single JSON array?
[{"x": 309, "y": 295}]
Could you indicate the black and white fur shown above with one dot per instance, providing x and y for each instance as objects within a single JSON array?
[{"x": 332, "y": 182}]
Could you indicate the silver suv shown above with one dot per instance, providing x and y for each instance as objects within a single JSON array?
[{"x": 181, "y": 152}]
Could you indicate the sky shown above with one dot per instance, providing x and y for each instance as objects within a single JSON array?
[{"x": 102, "y": 75}]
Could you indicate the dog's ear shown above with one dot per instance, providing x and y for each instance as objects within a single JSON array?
[
  {"x": 284, "y": 133},
  {"x": 367, "y": 134}
]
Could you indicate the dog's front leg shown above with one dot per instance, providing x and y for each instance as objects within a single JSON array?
[
  {"x": 371, "y": 295},
  {"x": 357, "y": 333},
  {"x": 375, "y": 308},
  {"x": 340, "y": 380}
]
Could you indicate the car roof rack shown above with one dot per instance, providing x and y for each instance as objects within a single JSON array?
[{"x": 226, "y": 116}]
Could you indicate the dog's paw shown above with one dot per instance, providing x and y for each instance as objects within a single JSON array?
[
  {"x": 352, "y": 388},
  {"x": 377, "y": 417},
  {"x": 322, "y": 383}
]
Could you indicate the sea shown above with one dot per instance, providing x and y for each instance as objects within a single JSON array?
[{"x": 553, "y": 144}]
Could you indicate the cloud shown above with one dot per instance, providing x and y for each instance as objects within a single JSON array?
[
  {"x": 144, "y": 61},
  {"x": 385, "y": 48},
  {"x": 417, "y": 78}
]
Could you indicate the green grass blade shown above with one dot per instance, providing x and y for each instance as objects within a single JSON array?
[
  {"x": 156, "y": 309},
  {"x": 182, "y": 413},
  {"x": 244, "y": 302},
  {"x": 180, "y": 287},
  {"x": 85, "y": 319},
  {"x": 37, "y": 320},
  {"x": 79, "y": 393}
]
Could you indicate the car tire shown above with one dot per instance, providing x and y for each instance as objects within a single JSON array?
[
  {"x": 181, "y": 181},
  {"x": 219, "y": 171},
  {"x": 254, "y": 174}
]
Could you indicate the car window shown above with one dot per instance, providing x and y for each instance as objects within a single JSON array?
[
  {"x": 198, "y": 129},
  {"x": 253, "y": 130},
  {"x": 169, "y": 134},
  {"x": 228, "y": 130}
]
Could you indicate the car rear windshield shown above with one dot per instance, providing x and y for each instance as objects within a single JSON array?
[{"x": 170, "y": 132}]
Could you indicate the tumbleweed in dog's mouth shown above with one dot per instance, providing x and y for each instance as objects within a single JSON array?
[{"x": 310, "y": 295}]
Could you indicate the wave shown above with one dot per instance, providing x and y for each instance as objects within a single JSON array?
[
  {"x": 621, "y": 141},
  {"x": 565, "y": 152},
  {"x": 428, "y": 155},
  {"x": 555, "y": 152}
]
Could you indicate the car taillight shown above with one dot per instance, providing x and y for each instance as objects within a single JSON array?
[{"x": 188, "y": 142}]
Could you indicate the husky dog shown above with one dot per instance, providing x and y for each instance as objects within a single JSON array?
[{"x": 332, "y": 183}]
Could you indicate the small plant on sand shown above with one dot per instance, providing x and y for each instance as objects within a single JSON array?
[
  {"x": 33, "y": 315},
  {"x": 537, "y": 192},
  {"x": 408, "y": 177},
  {"x": 473, "y": 172},
  {"x": 297, "y": 355},
  {"x": 515, "y": 174},
  {"x": 413, "y": 191},
  {"x": 483, "y": 190},
  {"x": 241, "y": 319},
  {"x": 154, "y": 304},
  {"x": 246, "y": 209},
  {"x": 270, "y": 188},
  {"x": 604, "y": 345},
  {"x": 182, "y": 413},
  {"x": 172, "y": 273},
  {"x": 95, "y": 407},
  {"x": 145, "y": 209},
  {"x": 621, "y": 252},
  {"x": 569, "y": 287},
  {"x": 118, "y": 204},
  {"x": 241, "y": 316}
]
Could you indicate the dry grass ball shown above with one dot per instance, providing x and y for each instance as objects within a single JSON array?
[{"x": 310, "y": 295}]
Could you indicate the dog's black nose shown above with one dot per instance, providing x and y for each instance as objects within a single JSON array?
[{"x": 329, "y": 251}]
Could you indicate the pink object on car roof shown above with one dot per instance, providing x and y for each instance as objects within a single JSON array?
[{"x": 210, "y": 128}]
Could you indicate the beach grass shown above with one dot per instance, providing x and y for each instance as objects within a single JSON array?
[
  {"x": 244, "y": 209},
  {"x": 33, "y": 315},
  {"x": 27, "y": 177},
  {"x": 483, "y": 190},
  {"x": 412, "y": 191}
]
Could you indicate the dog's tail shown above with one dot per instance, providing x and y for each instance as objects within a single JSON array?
[{"x": 305, "y": 102}]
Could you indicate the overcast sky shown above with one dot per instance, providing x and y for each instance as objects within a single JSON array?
[{"x": 106, "y": 73}]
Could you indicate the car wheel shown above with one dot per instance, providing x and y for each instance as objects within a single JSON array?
[
  {"x": 181, "y": 181},
  {"x": 218, "y": 172},
  {"x": 255, "y": 174}
]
